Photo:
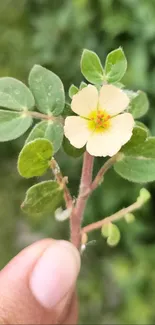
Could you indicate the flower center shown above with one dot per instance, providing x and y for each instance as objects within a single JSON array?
[{"x": 98, "y": 121}]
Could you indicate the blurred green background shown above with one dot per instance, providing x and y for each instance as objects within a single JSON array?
[{"x": 116, "y": 285}]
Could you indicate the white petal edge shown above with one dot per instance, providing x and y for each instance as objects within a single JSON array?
[
  {"x": 110, "y": 142},
  {"x": 85, "y": 101},
  {"x": 76, "y": 131},
  {"x": 113, "y": 100}
]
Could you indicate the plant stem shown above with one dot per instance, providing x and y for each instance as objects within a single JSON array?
[
  {"x": 108, "y": 164},
  {"x": 38, "y": 115},
  {"x": 114, "y": 217},
  {"x": 78, "y": 211},
  {"x": 99, "y": 177},
  {"x": 62, "y": 181}
]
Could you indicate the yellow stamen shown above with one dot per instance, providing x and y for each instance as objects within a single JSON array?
[{"x": 98, "y": 121}]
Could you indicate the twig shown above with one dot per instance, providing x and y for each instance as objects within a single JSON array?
[
  {"x": 62, "y": 181},
  {"x": 114, "y": 217},
  {"x": 77, "y": 215},
  {"x": 38, "y": 115},
  {"x": 99, "y": 177},
  {"x": 108, "y": 164}
]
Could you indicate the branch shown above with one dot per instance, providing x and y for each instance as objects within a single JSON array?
[
  {"x": 108, "y": 164},
  {"x": 99, "y": 177},
  {"x": 38, "y": 115},
  {"x": 62, "y": 181},
  {"x": 77, "y": 215},
  {"x": 114, "y": 217}
]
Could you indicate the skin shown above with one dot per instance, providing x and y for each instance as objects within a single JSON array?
[{"x": 21, "y": 304}]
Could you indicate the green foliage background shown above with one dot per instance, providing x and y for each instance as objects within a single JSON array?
[{"x": 116, "y": 285}]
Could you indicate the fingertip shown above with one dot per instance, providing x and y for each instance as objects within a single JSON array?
[
  {"x": 72, "y": 250},
  {"x": 55, "y": 273}
]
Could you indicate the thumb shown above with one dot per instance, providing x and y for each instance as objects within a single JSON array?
[{"x": 37, "y": 286}]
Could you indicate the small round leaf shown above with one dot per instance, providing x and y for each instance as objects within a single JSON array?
[
  {"x": 139, "y": 105},
  {"x": 115, "y": 65},
  {"x": 114, "y": 235},
  {"x": 105, "y": 230},
  {"x": 143, "y": 126},
  {"x": 34, "y": 158},
  {"x": 138, "y": 159},
  {"x": 129, "y": 217},
  {"x": 91, "y": 67},
  {"x": 43, "y": 198},
  {"x": 48, "y": 90},
  {"x": 13, "y": 125},
  {"x": 82, "y": 85},
  {"x": 52, "y": 131},
  {"x": 73, "y": 90},
  {"x": 144, "y": 196},
  {"x": 135, "y": 169},
  {"x": 15, "y": 95}
]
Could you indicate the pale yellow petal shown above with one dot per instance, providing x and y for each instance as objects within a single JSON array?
[
  {"x": 122, "y": 126},
  {"x": 85, "y": 101},
  {"x": 113, "y": 100},
  {"x": 76, "y": 131},
  {"x": 98, "y": 144},
  {"x": 110, "y": 142}
]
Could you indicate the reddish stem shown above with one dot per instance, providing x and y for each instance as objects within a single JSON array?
[
  {"x": 99, "y": 177},
  {"x": 78, "y": 211},
  {"x": 114, "y": 217},
  {"x": 62, "y": 181}
]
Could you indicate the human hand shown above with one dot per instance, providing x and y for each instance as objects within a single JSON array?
[{"x": 38, "y": 285}]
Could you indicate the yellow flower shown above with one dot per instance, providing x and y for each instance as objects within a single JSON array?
[{"x": 99, "y": 126}]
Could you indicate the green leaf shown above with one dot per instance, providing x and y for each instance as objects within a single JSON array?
[
  {"x": 34, "y": 158},
  {"x": 91, "y": 67},
  {"x": 70, "y": 150},
  {"x": 73, "y": 90},
  {"x": 105, "y": 230},
  {"x": 138, "y": 138},
  {"x": 112, "y": 233},
  {"x": 144, "y": 196},
  {"x": 140, "y": 145},
  {"x": 129, "y": 217},
  {"x": 143, "y": 126},
  {"x": 138, "y": 170},
  {"x": 115, "y": 65},
  {"x": 13, "y": 125},
  {"x": 55, "y": 133},
  {"x": 38, "y": 131},
  {"x": 139, "y": 105},
  {"x": 43, "y": 198},
  {"x": 137, "y": 163},
  {"x": 15, "y": 95},
  {"x": 48, "y": 90},
  {"x": 52, "y": 131},
  {"x": 82, "y": 85}
]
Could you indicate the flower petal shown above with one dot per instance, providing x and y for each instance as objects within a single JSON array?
[
  {"x": 85, "y": 101},
  {"x": 113, "y": 100},
  {"x": 110, "y": 141},
  {"x": 76, "y": 131}
]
